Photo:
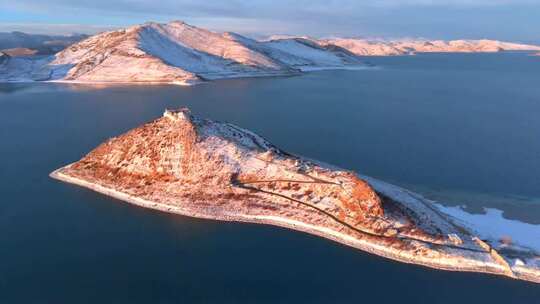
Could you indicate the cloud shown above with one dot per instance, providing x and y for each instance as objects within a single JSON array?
[{"x": 241, "y": 9}]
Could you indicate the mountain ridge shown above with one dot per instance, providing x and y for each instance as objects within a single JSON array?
[
  {"x": 179, "y": 53},
  {"x": 175, "y": 52}
]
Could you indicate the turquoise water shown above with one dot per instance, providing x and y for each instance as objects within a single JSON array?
[{"x": 461, "y": 128}]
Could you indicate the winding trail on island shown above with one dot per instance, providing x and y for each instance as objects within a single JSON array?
[{"x": 206, "y": 169}]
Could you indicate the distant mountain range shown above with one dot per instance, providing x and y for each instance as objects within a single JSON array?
[
  {"x": 18, "y": 43},
  {"x": 365, "y": 47},
  {"x": 177, "y": 52}
]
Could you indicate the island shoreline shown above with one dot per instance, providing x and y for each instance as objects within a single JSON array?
[{"x": 366, "y": 246}]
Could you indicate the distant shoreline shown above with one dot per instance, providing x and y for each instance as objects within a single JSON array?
[{"x": 206, "y": 78}]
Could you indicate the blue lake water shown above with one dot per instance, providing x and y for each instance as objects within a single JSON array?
[{"x": 464, "y": 129}]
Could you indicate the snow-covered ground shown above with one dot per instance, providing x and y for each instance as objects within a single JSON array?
[{"x": 491, "y": 226}]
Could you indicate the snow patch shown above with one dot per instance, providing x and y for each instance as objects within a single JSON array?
[
  {"x": 490, "y": 226},
  {"x": 493, "y": 226}
]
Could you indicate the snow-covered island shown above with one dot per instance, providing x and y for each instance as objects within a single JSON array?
[
  {"x": 183, "y": 164},
  {"x": 175, "y": 52}
]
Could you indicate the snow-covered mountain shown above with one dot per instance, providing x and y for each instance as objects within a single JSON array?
[
  {"x": 364, "y": 47},
  {"x": 175, "y": 53}
]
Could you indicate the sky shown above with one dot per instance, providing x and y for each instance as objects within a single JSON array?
[{"x": 512, "y": 20}]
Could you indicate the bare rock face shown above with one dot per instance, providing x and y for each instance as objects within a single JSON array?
[{"x": 197, "y": 167}]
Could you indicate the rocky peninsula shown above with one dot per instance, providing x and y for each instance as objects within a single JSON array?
[{"x": 183, "y": 164}]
